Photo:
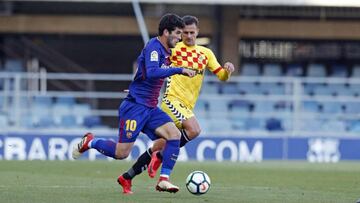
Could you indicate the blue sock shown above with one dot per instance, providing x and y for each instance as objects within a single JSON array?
[
  {"x": 105, "y": 147},
  {"x": 170, "y": 155}
]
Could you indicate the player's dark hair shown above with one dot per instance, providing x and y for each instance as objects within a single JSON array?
[
  {"x": 170, "y": 22},
  {"x": 189, "y": 20}
]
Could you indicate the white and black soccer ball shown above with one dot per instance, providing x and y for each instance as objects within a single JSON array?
[{"x": 198, "y": 183}]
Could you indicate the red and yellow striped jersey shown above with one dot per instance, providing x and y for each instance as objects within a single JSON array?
[{"x": 198, "y": 58}]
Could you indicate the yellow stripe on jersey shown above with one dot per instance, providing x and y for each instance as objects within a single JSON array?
[{"x": 198, "y": 58}]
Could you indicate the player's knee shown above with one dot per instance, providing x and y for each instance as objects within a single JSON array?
[
  {"x": 121, "y": 155},
  {"x": 174, "y": 135},
  {"x": 193, "y": 132}
]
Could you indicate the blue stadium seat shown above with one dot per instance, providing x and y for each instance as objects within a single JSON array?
[
  {"x": 316, "y": 70},
  {"x": 356, "y": 71},
  {"x": 239, "y": 109},
  {"x": 339, "y": 71},
  {"x": 264, "y": 106},
  {"x": 272, "y": 88},
  {"x": 59, "y": 110},
  {"x": 13, "y": 65},
  {"x": 294, "y": 70},
  {"x": 219, "y": 125},
  {"x": 80, "y": 111},
  {"x": 352, "y": 107},
  {"x": 218, "y": 108},
  {"x": 311, "y": 125},
  {"x": 255, "y": 124},
  {"x": 250, "y": 69},
  {"x": 340, "y": 90},
  {"x": 353, "y": 126},
  {"x": 210, "y": 88},
  {"x": 323, "y": 90},
  {"x": 274, "y": 124},
  {"x": 239, "y": 124},
  {"x": 310, "y": 106},
  {"x": 69, "y": 100},
  {"x": 4, "y": 121},
  {"x": 309, "y": 88},
  {"x": 92, "y": 121},
  {"x": 272, "y": 70},
  {"x": 229, "y": 88},
  {"x": 201, "y": 108},
  {"x": 249, "y": 88},
  {"x": 43, "y": 101},
  {"x": 69, "y": 121},
  {"x": 334, "y": 126},
  {"x": 332, "y": 107},
  {"x": 355, "y": 89}
]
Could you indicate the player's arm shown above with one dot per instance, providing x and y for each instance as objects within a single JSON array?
[
  {"x": 154, "y": 69},
  {"x": 222, "y": 72}
]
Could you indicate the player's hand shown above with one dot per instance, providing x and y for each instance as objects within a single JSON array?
[
  {"x": 188, "y": 72},
  {"x": 229, "y": 67}
]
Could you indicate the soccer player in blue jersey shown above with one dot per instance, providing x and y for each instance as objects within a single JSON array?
[{"x": 139, "y": 111}]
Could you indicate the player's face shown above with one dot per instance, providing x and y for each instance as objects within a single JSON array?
[
  {"x": 190, "y": 32},
  {"x": 174, "y": 37}
]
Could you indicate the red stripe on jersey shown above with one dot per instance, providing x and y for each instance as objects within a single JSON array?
[
  {"x": 183, "y": 49},
  {"x": 121, "y": 129},
  {"x": 184, "y": 58},
  {"x": 217, "y": 70},
  {"x": 188, "y": 53},
  {"x": 178, "y": 53}
]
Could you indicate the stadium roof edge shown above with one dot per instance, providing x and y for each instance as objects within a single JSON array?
[{"x": 324, "y": 3}]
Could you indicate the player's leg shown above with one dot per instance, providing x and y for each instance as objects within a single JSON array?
[
  {"x": 170, "y": 155},
  {"x": 131, "y": 122}
]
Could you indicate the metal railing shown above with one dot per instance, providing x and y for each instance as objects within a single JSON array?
[{"x": 14, "y": 90}]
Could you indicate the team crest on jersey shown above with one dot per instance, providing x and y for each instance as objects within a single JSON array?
[
  {"x": 154, "y": 56},
  {"x": 129, "y": 134}
]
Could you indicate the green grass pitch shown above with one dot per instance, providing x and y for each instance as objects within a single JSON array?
[{"x": 95, "y": 181}]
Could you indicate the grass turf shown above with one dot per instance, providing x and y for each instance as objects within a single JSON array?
[{"x": 86, "y": 181}]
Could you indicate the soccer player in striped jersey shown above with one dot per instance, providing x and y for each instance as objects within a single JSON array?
[
  {"x": 181, "y": 95},
  {"x": 139, "y": 111}
]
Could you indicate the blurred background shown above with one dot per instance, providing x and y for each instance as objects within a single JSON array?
[{"x": 295, "y": 93}]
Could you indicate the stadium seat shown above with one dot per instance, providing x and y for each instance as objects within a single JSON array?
[
  {"x": 239, "y": 124},
  {"x": 218, "y": 108},
  {"x": 249, "y": 88},
  {"x": 264, "y": 106},
  {"x": 210, "y": 88},
  {"x": 332, "y": 107},
  {"x": 352, "y": 108},
  {"x": 356, "y": 71},
  {"x": 255, "y": 124},
  {"x": 229, "y": 88},
  {"x": 272, "y": 88},
  {"x": 316, "y": 70},
  {"x": 59, "y": 110},
  {"x": 272, "y": 70},
  {"x": 311, "y": 125},
  {"x": 250, "y": 69},
  {"x": 310, "y": 106},
  {"x": 339, "y": 71},
  {"x": 355, "y": 88},
  {"x": 92, "y": 121},
  {"x": 274, "y": 124},
  {"x": 44, "y": 101},
  {"x": 353, "y": 126},
  {"x": 69, "y": 121},
  {"x": 80, "y": 111},
  {"x": 201, "y": 108},
  {"x": 65, "y": 100},
  {"x": 4, "y": 121},
  {"x": 340, "y": 90},
  {"x": 13, "y": 65},
  {"x": 219, "y": 125},
  {"x": 239, "y": 109},
  {"x": 294, "y": 70},
  {"x": 323, "y": 90},
  {"x": 334, "y": 126}
]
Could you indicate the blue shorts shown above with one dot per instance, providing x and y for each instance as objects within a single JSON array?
[{"x": 134, "y": 118}]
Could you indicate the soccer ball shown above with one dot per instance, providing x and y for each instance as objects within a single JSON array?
[{"x": 198, "y": 182}]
